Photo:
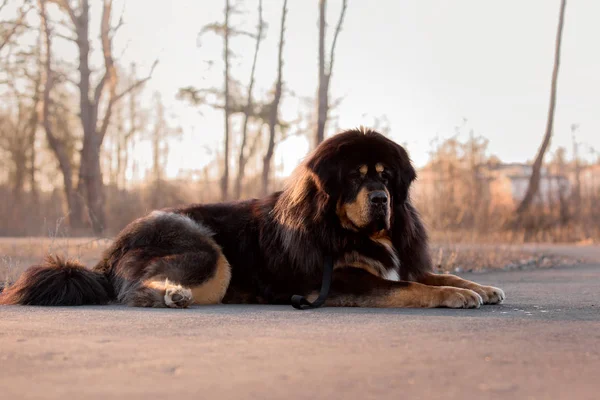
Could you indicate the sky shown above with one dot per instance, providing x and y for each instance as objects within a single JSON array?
[{"x": 423, "y": 65}]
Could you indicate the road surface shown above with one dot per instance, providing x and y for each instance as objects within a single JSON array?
[{"x": 543, "y": 343}]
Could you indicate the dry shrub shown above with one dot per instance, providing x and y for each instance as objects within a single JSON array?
[
  {"x": 46, "y": 214},
  {"x": 464, "y": 196}
]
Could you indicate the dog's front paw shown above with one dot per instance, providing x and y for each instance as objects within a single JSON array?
[
  {"x": 178, "y": 297},
  {"x": 490, "y": 294},
  {"x": 460, "y": 298}
]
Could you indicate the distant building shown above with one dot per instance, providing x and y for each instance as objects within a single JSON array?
[
  {"x": 505, "y": 183},
  {"x": 509, "y": 182}
]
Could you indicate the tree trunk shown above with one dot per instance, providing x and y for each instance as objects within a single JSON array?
[
  {"x": 534, "y": 181},
  {"x": 576, "y": 196},
  {"x": 89, "y": 168},
  {"x": 90, "y": 173},
  {"x": 20, "y": 172},
  {"x": 94, "y": 190},
  {"x": 227, "y": 111},
  {"x": 129, "y": 139},
  {"x": 242, "y": 158},
  {"x": 274, "y": 110},
  {"x": 325, "y": 69},
  {"x": 32, "y": 127},
  {"x": 32, "y": 154},
  {"x": 322, "y": 98},
  {"x": 158, "y": 136}
]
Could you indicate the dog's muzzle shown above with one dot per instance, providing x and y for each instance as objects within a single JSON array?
[{"x": 379, "y": 208}]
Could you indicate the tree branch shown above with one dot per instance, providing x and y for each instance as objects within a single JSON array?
[
  {"x": 4, "y": 2},
  {"x": 113, "y": 30},
  {"x": 116, "y": 97},
  {"x": 68, "y": 38},
  {"x": 100, "y": 88},
  {"x": 109, "y": 63},
  {"x": 338, "y": 28},
  {"x": 242, "y": 159},
  {"x": 274, "y": 111},
  {"x": 138, "y": 83},
  {"x": 52, "y": 139},
  {"x": 65, "y": 5}
]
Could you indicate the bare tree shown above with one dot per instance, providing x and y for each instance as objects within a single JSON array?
[
  {"x": 534, "y": 181},
  {"x": 230, "y": 94},
  {"x": 325, "y": 69},
  {"x": 576, "y": 196},
  {"x": 58, "y": 146},
  {"x": 34, "y": 120},
  {"x": 274, "y": 107},
  {"x": 137, "y": 121},
  {"x": 94, "y": 128},
  {"x": 159, "y": 137},
  {"x": 248, "y": 111},
  {"x": 19, "y": 121},
  {"x": 128, "y": 122},
  {"x": 15, "y": 134},
  {"x": 227, "y": 110}
]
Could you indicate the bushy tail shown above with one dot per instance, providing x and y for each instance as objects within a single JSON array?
[{"x": 58, "y": 283}]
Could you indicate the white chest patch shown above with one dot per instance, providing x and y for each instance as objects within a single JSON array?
[{"x": 392, "y": 275}]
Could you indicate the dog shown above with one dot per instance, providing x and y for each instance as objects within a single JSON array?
[{"x": 349, "y": 200}]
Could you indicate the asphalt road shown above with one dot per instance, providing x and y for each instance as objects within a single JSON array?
[{"x": 543, "y": 343}]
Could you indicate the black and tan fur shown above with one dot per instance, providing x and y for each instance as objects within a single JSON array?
[{"x": 349, "y": 199}]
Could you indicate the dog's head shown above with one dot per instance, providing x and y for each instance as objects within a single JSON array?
[{"x": 364, "y": 176}]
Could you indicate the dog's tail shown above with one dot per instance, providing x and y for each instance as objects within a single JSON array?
[{"x": 58, "y": 283}]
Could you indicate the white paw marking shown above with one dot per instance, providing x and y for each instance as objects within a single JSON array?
[{"x": 176, "y": 296}]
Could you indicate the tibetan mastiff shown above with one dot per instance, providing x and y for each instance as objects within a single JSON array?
[{"x": 349, "y": 200}]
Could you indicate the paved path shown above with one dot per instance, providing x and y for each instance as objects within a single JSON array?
[{"x": 543, "y": 343}]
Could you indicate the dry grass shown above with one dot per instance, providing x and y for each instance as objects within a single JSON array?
[
  {"x": 16, "y": 254},
  {"x": 460, "y": 257},
  {"x": 556, "y": 234}
]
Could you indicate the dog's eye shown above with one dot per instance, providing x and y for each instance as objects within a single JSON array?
[
  {"x": 385, "y": 175},
  {"x": 355, "y": 175}
]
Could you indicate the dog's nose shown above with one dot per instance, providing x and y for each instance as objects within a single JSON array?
[{"x": 378, "y": 197}]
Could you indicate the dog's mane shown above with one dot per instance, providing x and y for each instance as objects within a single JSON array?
[
  {"x": 305, "y": 211},
  {"x": 304, "y": 198}
]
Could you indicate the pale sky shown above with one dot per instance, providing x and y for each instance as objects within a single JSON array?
[{"x": 423, "y": 64}]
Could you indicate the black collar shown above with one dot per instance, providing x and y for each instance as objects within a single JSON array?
[{"x": 301, "y": 303}]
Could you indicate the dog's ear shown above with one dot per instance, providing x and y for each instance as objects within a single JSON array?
[
  {"x": 325, "y": 168},
  {"x": 310, "y": 189},
  {"x": 404, "y": 179},
  {"x": 405, "y": 175},
  {"x": 408, "y": 232}
]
